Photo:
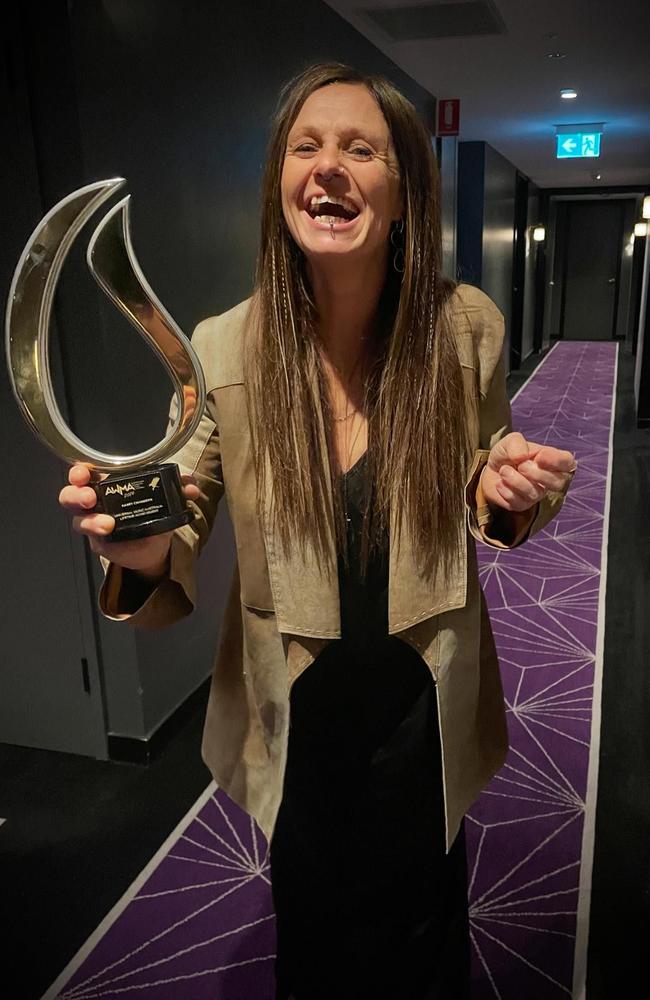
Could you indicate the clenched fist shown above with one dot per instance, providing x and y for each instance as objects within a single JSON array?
[{"x": 519, "y": 473}]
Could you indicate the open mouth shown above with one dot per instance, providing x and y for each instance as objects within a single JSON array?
[{"x": 331, "y": 211}]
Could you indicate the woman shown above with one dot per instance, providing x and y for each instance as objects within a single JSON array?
[{"x": 357, "y": 421}]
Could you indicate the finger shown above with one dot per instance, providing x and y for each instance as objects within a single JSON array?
[
  {"x": 515, "y": 447},
  {"x": 77, "y": 499},
  {"x": 534, "y": 448},
  {"x": 549, "y": 480},
  {"x": 190, "y": 490},
  {"x": 501, "y": 499},
  {"x": 511, "y": 501},
  {"x": 555, "y": 460},
  {"x": 78, "y": 474},
  {"x": 507, "y": 469},
  {"x": 94, "y": 524},
  {"x": 521, "y": 486}
]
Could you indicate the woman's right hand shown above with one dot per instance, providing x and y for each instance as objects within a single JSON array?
[{"x": 146, "y": 556}]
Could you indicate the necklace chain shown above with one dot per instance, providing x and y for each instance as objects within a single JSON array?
[
  {"x": 354, "y": 441},
  {"x": 349, "y": 448},
  {"x": 346, "y": 416}
]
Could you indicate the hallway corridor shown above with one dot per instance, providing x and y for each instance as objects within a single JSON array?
[{"x": 194, "y": 918}]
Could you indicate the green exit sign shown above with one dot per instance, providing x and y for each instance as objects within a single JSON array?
[{"x": 577, "y": 144}]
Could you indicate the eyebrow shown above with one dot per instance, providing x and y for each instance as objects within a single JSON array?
[{"x": 346, "y": 133}]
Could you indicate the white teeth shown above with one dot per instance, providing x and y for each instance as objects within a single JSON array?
[
  {"x": 327, "y": 219},
  {"x": 343, "y": 202}
]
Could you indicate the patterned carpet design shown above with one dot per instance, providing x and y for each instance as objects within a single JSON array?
[
  {"x": 525, "y": 834},
  {"x": 198, "y": 923},
  {"x": 200, "y": 927}
]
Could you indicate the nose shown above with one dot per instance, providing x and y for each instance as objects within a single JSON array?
[{"x": 328, "y": 164}]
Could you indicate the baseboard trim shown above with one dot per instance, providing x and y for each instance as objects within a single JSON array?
[{"x": 133, "y": 750}]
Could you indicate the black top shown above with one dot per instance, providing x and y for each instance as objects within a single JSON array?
[{"x": 361, "y": 687}]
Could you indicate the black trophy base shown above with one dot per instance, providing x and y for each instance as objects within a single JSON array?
[{"x": 147, "y": 501}]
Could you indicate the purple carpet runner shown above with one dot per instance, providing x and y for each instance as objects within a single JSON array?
[
  {"x": 530, "y": 835},
  {"x": 198, "y": 923}
]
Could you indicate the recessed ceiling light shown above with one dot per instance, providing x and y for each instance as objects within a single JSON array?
[
  {"x": 555, "y": 55},
  {"x": 568, "y": 93}
]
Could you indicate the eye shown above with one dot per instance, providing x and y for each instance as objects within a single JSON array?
[
  {"x": 306, "y": 147},
  {"x": 361, "y": 151}
]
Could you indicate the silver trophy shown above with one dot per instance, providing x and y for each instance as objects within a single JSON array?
[{"x": 143, "y": 492}]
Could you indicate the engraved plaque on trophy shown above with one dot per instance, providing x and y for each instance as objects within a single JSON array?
[{"x": 143, "y": 492}]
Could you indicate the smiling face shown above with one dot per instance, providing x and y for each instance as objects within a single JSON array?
[{"x": 340, "y": 179}]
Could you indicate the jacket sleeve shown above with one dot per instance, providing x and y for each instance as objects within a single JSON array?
[
  {"x": 502, "y": 529},
  {"x": 124, "y": 595}
]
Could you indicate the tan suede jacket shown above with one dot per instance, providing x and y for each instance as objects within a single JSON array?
[{"x": 282, "y": 612}]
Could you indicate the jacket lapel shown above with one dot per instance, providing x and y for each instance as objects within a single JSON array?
[
  {"x": 413, "y": 595},
  {"x": 305, "y": 591}
]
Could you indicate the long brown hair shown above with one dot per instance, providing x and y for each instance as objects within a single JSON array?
[{"x": 417, "y": 437}]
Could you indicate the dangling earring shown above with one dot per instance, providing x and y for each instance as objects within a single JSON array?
[{"x": 397, "y": 242}]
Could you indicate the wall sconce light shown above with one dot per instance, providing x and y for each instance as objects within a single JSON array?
[
  {"x": 539, "y": 234},
  {"x": 646, "y": 207},
  {"x": 640, "y": 228}
]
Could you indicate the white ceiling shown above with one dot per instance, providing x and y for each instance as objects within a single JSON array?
[{"x": 510, "y": 90}]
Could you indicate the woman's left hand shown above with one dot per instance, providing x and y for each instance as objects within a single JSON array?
[{"x": 520, "y": 473}]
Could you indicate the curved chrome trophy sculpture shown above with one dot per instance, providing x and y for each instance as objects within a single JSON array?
[{"x": 144, "y": 496}]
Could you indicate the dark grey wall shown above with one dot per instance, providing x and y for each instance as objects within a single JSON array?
[
  {"x": 557, "y": 237},
  {"x": 633, "y": 207},
  {"x": 447, "y": 155},
  {"x": 486, "y": 218},
  {"x": 498, "y": 233},
  {"x": 642, "y": 364},
  {"x": 471, "y": 194},
  {"x": 528, "y": 326},
  {"x": 552, "y": 273},
  {"x": 46, "y": 620},
  {"x": 638, "y": 253},
  {"x": 176, "y": 97}
]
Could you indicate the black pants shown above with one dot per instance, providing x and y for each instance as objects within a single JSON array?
[{"x": 368, "y": 905}]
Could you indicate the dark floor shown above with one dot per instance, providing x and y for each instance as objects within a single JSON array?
[
  {"x": 79, "y": 831},
  {"x": 620, "y": 910}
]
